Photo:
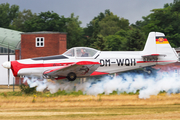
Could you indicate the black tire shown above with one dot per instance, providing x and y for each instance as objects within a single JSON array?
[{"x": 71, "y": 76}]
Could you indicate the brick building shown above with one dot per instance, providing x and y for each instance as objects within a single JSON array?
[{"x": 40, "y": 44}]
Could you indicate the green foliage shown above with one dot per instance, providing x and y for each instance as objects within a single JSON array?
[
  {"x": 26, "y": 89},
  {"x": 18, "y": 23},
  {"x": 135, "y": 40},
  {"x": 11, "y": 93},
  {"x": 63, "y": 92},
  {"x": 45, "y": 21},
  {"x": 164, "y": 20},
  {"x": 100, "y": 43},
  {"x": 75, "y": 32},
  {"x": 7, "y": 14},
  {"x": 111, "y": 23},
  {"x": 115, "y": 42},
  {"x": 124, "y": 93},
  {"x": 106, "y": 31}
]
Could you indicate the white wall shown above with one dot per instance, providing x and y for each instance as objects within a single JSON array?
[{"x": 3, "y": 71}]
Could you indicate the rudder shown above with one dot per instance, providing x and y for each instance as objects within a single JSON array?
[{"x": 157, "y": 43}]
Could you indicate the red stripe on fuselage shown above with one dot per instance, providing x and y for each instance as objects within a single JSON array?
[
  {"x": 87, "y": 63},
  {"x": 155, "y": 61},
  {"x": 16, "y": 66}
]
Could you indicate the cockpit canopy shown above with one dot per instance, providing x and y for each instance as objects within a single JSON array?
[{"x": 81, "y": 52}]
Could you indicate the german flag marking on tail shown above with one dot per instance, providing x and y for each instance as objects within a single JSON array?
[{"x": 161, "y": 40}]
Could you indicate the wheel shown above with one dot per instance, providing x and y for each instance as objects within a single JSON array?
[
  {"x": 71, "y": 76},
  {"x": 149, "y": 71}
]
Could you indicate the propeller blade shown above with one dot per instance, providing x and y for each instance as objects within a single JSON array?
[{"x": 8, "y": 77}]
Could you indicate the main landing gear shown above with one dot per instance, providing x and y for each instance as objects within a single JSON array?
[{"x": 71, "y": 76}]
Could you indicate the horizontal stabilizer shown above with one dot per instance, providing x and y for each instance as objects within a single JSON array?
[{"x": 154, "y": 55}]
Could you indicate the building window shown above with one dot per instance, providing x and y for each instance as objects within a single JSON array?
[
  {"x": 5, "y": 50},
  {"x": 39, "y": 41}
]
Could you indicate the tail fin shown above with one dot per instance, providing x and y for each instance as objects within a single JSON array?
[{"x": 157, "y": 43}]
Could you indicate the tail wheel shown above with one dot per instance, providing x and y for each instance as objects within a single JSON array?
[
  {"x": 148, "y": 71},
  {"x": 71, "y": 76}
]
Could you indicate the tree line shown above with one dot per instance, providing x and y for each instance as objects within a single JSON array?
[{"x": 106, "y": 31}]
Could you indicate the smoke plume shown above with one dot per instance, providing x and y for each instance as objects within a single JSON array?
[{"x": 126, "y": 82}]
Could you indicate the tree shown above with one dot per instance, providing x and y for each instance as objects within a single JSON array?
[
  {"x": 8, "y": 14},
  {"x": 93, "y": 29},
  {"x": 101, "y": 31},
  {"x": 100, "y": 43},
  {"x": 111, "y": 23},
  {"x": 115, "y": 42},
  {"x": 75, "y": 32},
  {"x": 46, "y": 21},
  {"x": 18, "y": 23},
  {"x": 135, "y": 40},
  {"x": 164, "y": 20}
]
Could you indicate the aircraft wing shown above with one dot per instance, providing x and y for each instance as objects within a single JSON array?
[{"x": 82, "y": 68}]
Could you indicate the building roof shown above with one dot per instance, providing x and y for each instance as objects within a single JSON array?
[
  {"x": 11, "y": 37},
  {"x": 44, "y": 32}
]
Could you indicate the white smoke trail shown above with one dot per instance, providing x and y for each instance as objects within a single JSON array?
[{"x": 127, "y": 82}]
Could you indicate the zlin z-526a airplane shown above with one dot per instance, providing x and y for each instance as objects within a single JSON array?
[{"x": 81, "y": 62}]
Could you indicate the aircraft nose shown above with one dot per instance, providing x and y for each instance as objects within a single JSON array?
[{"x": 7, "y": 64}]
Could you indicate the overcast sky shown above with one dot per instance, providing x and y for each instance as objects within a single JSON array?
[{"x": 132, "y": 10}]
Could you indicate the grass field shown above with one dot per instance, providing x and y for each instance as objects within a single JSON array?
[
  {"x": 4, "y": 88},
  {"x": 83, "y": 107}
]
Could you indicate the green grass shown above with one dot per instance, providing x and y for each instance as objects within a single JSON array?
[
  {"x": 18, "y": 93},
  {"x": 26, "y": 90},
  {"x": 61, "y": 93}
]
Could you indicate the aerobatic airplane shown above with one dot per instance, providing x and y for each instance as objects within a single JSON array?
[{"x": 80, "y": 62}]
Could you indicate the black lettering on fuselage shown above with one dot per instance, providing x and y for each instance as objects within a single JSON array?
[
  {"x": 101, "y": 62},
  {"x": 127, "y": 62},
  {"x": 120, "y": 62},
  {"x": 107, "y": 62},
  {"x": 150, "y": 59},
  {"x": 133, "y": 61}
]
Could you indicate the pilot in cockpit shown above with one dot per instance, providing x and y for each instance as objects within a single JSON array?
[{"x": 83, "y": 53}]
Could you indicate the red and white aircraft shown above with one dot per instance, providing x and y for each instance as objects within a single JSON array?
[{"x": 80, "y": 62}]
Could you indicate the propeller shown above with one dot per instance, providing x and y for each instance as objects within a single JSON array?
[{"x": 8, "y": 68}]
